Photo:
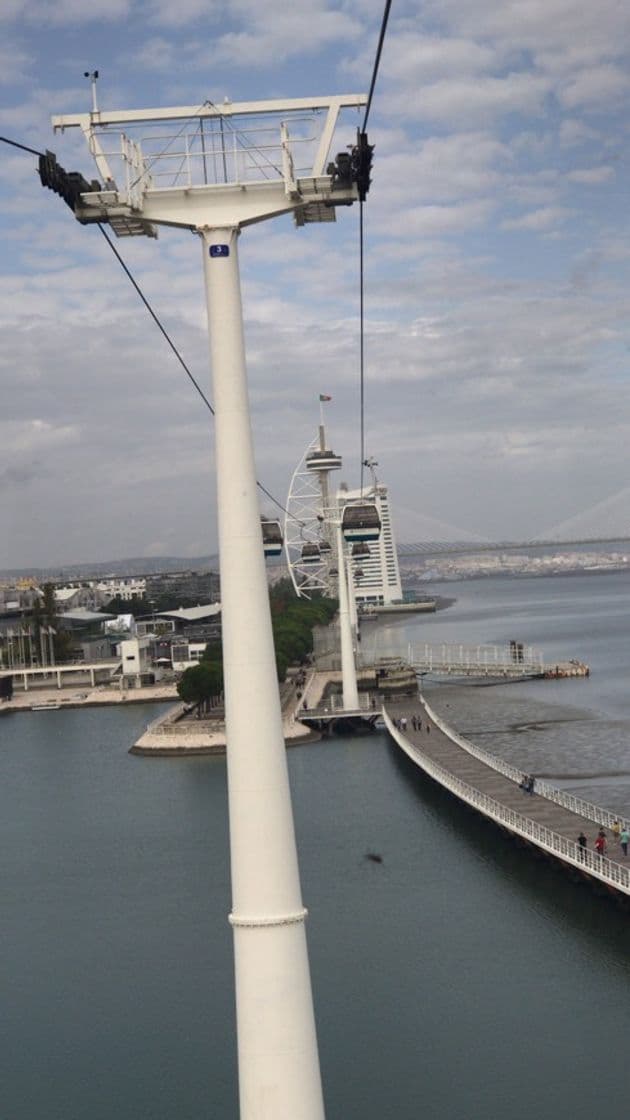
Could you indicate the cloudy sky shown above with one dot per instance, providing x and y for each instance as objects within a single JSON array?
[{"x": 497, "y": 274}]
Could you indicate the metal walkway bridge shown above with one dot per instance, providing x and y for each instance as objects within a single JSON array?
[
  {"x": 550, "y": 819},
  {"x": 442, "y": 659}
]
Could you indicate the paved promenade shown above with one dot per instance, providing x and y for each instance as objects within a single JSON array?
[
  {"x": 171, "y": 734},
  {"x": 87, "y": 697}
]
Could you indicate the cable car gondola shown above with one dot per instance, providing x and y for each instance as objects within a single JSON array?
[
  {"x": 325, "y": 548},
  {"x": 359, "y": 550},
  {"x": 360, "y": 522},
  {"x": 310, "y": 553},
  {"x": 272, "y": 537}
]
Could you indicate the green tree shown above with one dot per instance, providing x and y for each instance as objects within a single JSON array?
[
  {"x": 46, "y": 615},
  {"x": 201, "y": 685}
]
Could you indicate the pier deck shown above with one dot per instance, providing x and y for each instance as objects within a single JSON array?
[{"x": 477, "y": 778}]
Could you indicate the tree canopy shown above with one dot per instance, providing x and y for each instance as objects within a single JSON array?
[{"x": 292, "y": 620}]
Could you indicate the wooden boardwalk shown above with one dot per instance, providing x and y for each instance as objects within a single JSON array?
[{"x": 492, "y": 786}]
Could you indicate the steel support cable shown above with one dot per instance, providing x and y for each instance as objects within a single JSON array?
[
  {"x": 158, "y": 324},
  {"x": 377, "y": 60},
  {"x": 23, "y": 147},
  {"x": 178, "y": 355},
  {"x": 155, "y": 318}
]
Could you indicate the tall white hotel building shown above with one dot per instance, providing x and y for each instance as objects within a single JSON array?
[{"x": 380, "y": 583}]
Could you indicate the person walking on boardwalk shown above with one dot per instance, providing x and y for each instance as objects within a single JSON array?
[
  {"x": 616, "y": 829},
  {"x": 582, "y": 842},
  {"x": 624, "y": 837},
  {"x": 600, "y": 844}
]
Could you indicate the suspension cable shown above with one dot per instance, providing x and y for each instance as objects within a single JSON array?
[
  {"x": 377, "y": 60},
  {"x": 379, "y": 49},
  {"x": 155, "y": 318},
  {"x": 14, "y": 144},
  {"x": 159, "y": 325}
]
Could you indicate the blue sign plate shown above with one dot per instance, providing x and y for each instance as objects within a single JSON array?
[{"x": 219, "y": 250}]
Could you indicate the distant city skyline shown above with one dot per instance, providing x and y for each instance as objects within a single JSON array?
[
  {"x": 497, "y": 276},
  {"x": 409, "y": 554}
]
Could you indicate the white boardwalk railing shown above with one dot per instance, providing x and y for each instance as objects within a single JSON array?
[
  {"x": 568, "y": 801},
  {"x": 513, "y": 660},
  {"x": 599, "y": 867}
]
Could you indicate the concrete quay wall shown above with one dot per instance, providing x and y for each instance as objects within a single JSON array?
[{"x": 174, "y": 733}]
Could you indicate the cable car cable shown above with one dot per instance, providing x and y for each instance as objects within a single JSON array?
[
  {"x": 375, "y": 68},
  {"x": 155, "y": 318},
  {"x": 377, "y": 60},
  {"x": 159, "y": 325},
  {"x": 14, "y": 144}
]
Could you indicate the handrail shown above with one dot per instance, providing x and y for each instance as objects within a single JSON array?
[
  {"x": 569, "y": 801},
  {"x": 613, "y": 874}
]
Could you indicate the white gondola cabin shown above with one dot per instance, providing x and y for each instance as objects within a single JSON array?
[
  {"x": 310, "y": 553},
  {"x": 272, "y": 537},
  {"x": 359, "y": 550},
  {"x": 360, "y": 522}
]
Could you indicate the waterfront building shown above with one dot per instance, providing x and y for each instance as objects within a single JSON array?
[
  {"x": 126, "y": 588},
  {"x": 78, "y": 597}
]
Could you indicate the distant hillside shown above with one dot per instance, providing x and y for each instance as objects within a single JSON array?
[{"x": 133, "y": 566}]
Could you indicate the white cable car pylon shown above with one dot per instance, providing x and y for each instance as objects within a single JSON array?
[{"x": 215, "y": 170}]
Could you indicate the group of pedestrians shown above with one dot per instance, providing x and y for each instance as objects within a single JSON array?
[
  {"x": 620, "y": 835},
  {"x": 416, "y": 722}
]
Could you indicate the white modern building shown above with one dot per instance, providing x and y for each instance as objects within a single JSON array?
[
  {"x": 126, "y": 588},
  {"x": 135, "y": 656},
  {"x": 78, "y": 597},
  {"x": 380, "y": 583},
  {"x": 186, "y": 654}
]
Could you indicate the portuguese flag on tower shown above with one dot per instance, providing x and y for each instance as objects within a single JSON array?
[{"x": 323, "y": 397}]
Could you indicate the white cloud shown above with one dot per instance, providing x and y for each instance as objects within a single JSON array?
[
  {"x": 573, "y": 133},
  {"x": 598, "y": 86},
  {"x": 62, "y": 11},
  {"x": 168, "y": 13},
  {"x": 543, "y": 219},
  {"x": 470, "y": 101},
  {"x": 435, "y": 221},
  {"x": 592, "y": 175},
  {"x": 274, "y": 34},
  {"x": 509, "y": 366},
  {"x": 539, "y": 24},
  {"x": 418, "y": 59},
  {"x": 14, "y": 63}
]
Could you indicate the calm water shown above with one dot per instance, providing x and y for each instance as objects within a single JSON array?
[{"x": 459, "y": 978}]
